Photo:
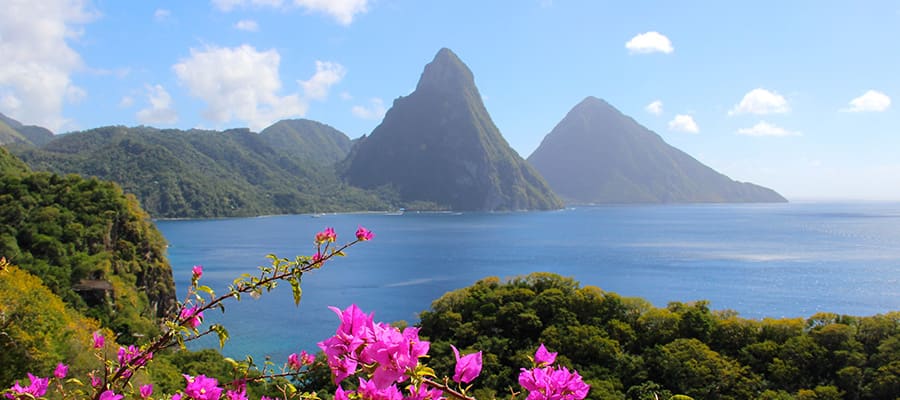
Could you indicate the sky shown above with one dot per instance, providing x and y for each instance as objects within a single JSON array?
[{"x": 800, "y": 96}]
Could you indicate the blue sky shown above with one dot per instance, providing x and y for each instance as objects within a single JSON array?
[{"x": 799, "y": 96}]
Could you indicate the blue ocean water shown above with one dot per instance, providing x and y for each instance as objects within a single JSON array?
[{"x": 761, "y": 260}]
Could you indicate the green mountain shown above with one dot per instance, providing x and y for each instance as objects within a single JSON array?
[
  {"x": 308, "y": 140},
  {"x": 197, "y": 173},
  {"x": 12, "y": 131},
  {"x": 439, "y": 145},
  {"x": 596, "y": 154}
]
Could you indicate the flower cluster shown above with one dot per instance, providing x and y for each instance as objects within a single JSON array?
[
  {"x": 132, "y": 356},
  {"x": 388, "y": 355},
  {"x": 359, "y": 340},
  {"x": 326, "y": 236},
  {"x": 37, "y": 388},
  {"x": 296, "y": 362},
  {"x": 545, "y": 381}
]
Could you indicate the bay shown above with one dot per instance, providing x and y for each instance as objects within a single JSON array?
[{"x": 761, "y": 260}]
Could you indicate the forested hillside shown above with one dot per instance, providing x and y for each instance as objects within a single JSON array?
[
  {"x": 628, "y": 349},
  {"x": 90, "y": 244},
  {"x": 201, "y": 174}
]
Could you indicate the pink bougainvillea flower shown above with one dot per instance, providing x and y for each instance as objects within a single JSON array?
[
  {"x": 176, "y": 396},
  {"x": 236, "y": 395},
  {"x": 202, "y": 388},
  {"x": 61, "y": 371},
  {"x": 356, "y": 329},
  {"x": 146, "y": 391},
  {"x": 192, "y": 317},
  {"x": 110, "y": 395},
  {"x": 306, "y": 359},
  {"x": 468, "y": 367},
  {"x": 98, "y": 340},
  {"x": 543, "y": 357},
  {"x": 394, "y": 353},
  {"x": 370, "y": 391},
  {"x": 317, "y": 258},
  {"x": 363, "y": 234},
  {"x": 423, "y": 392},
  {"x": 553, "y": 383},
  {"x": 339, "y": 394},
  {"x": 95, "y": 380},
  {"x": 294, "y": 362},
  {"x": 326, "y": 236},
  {"x": 197, "y": 271},
  {"x": 37, "y": 388},
  {"x": 132, "y": 355}
]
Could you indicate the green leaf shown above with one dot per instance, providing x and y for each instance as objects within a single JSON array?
[
  {"x": 424, "y": 371},
  {"x": 298, "y": 292},
  {"x": 221, "y": 332},
  {"x": 207, "y": 290}
]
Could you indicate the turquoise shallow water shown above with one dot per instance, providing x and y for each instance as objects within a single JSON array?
[{"x": 771, "y": 260}]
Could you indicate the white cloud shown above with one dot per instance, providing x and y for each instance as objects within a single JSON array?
[
  {"x": 649, "y": 42},
  {"x": 228, "y": 5},
  {"x": 684, "y": 123},
  {"x": 327, "y": 74},
  {"x": 655, "y": 107},
  {"x": 126, "y": 102},
  {"x": 37, "y": 62},
  {"x": 161, "y": 14},
  {"x": 761, "y": 101},
  {"x": 872, "y": 100},
  {"x": 375, "y": 110},
  {"x": 160, "y": 110},
  {"x": 346, "y": 96},
  {"x": 242, "y": 83},
  {"x": 343, "y": 11},
  {"x": 764, "y": 128},
  {"x": 248, "y": 25}
]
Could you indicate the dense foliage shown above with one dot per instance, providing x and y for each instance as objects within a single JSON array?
[
  {"x": 308, "y": 140},
  {"x": 628, "y": 349},
  {"x": 196, "y": 173},
  {"x": 37, "y": 329},
  {"x": 89, "y": 244},
  {"x": 10, "y": 164}
]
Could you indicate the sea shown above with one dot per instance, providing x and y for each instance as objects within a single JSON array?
[{"x": 760, "y": 260}]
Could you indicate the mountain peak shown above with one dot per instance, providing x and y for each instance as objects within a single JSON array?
[
  {"x": 438, "y": 145},
  {"x": 596, "y": 154},
  {"x": 593, "y": 104},
  {"x": 446, "y": 72}
]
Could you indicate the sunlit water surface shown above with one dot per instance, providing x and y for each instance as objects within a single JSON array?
[{"x": 782, "y": 260}]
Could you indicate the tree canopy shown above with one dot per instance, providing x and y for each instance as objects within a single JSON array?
[{"x": 628, "y": 349}]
